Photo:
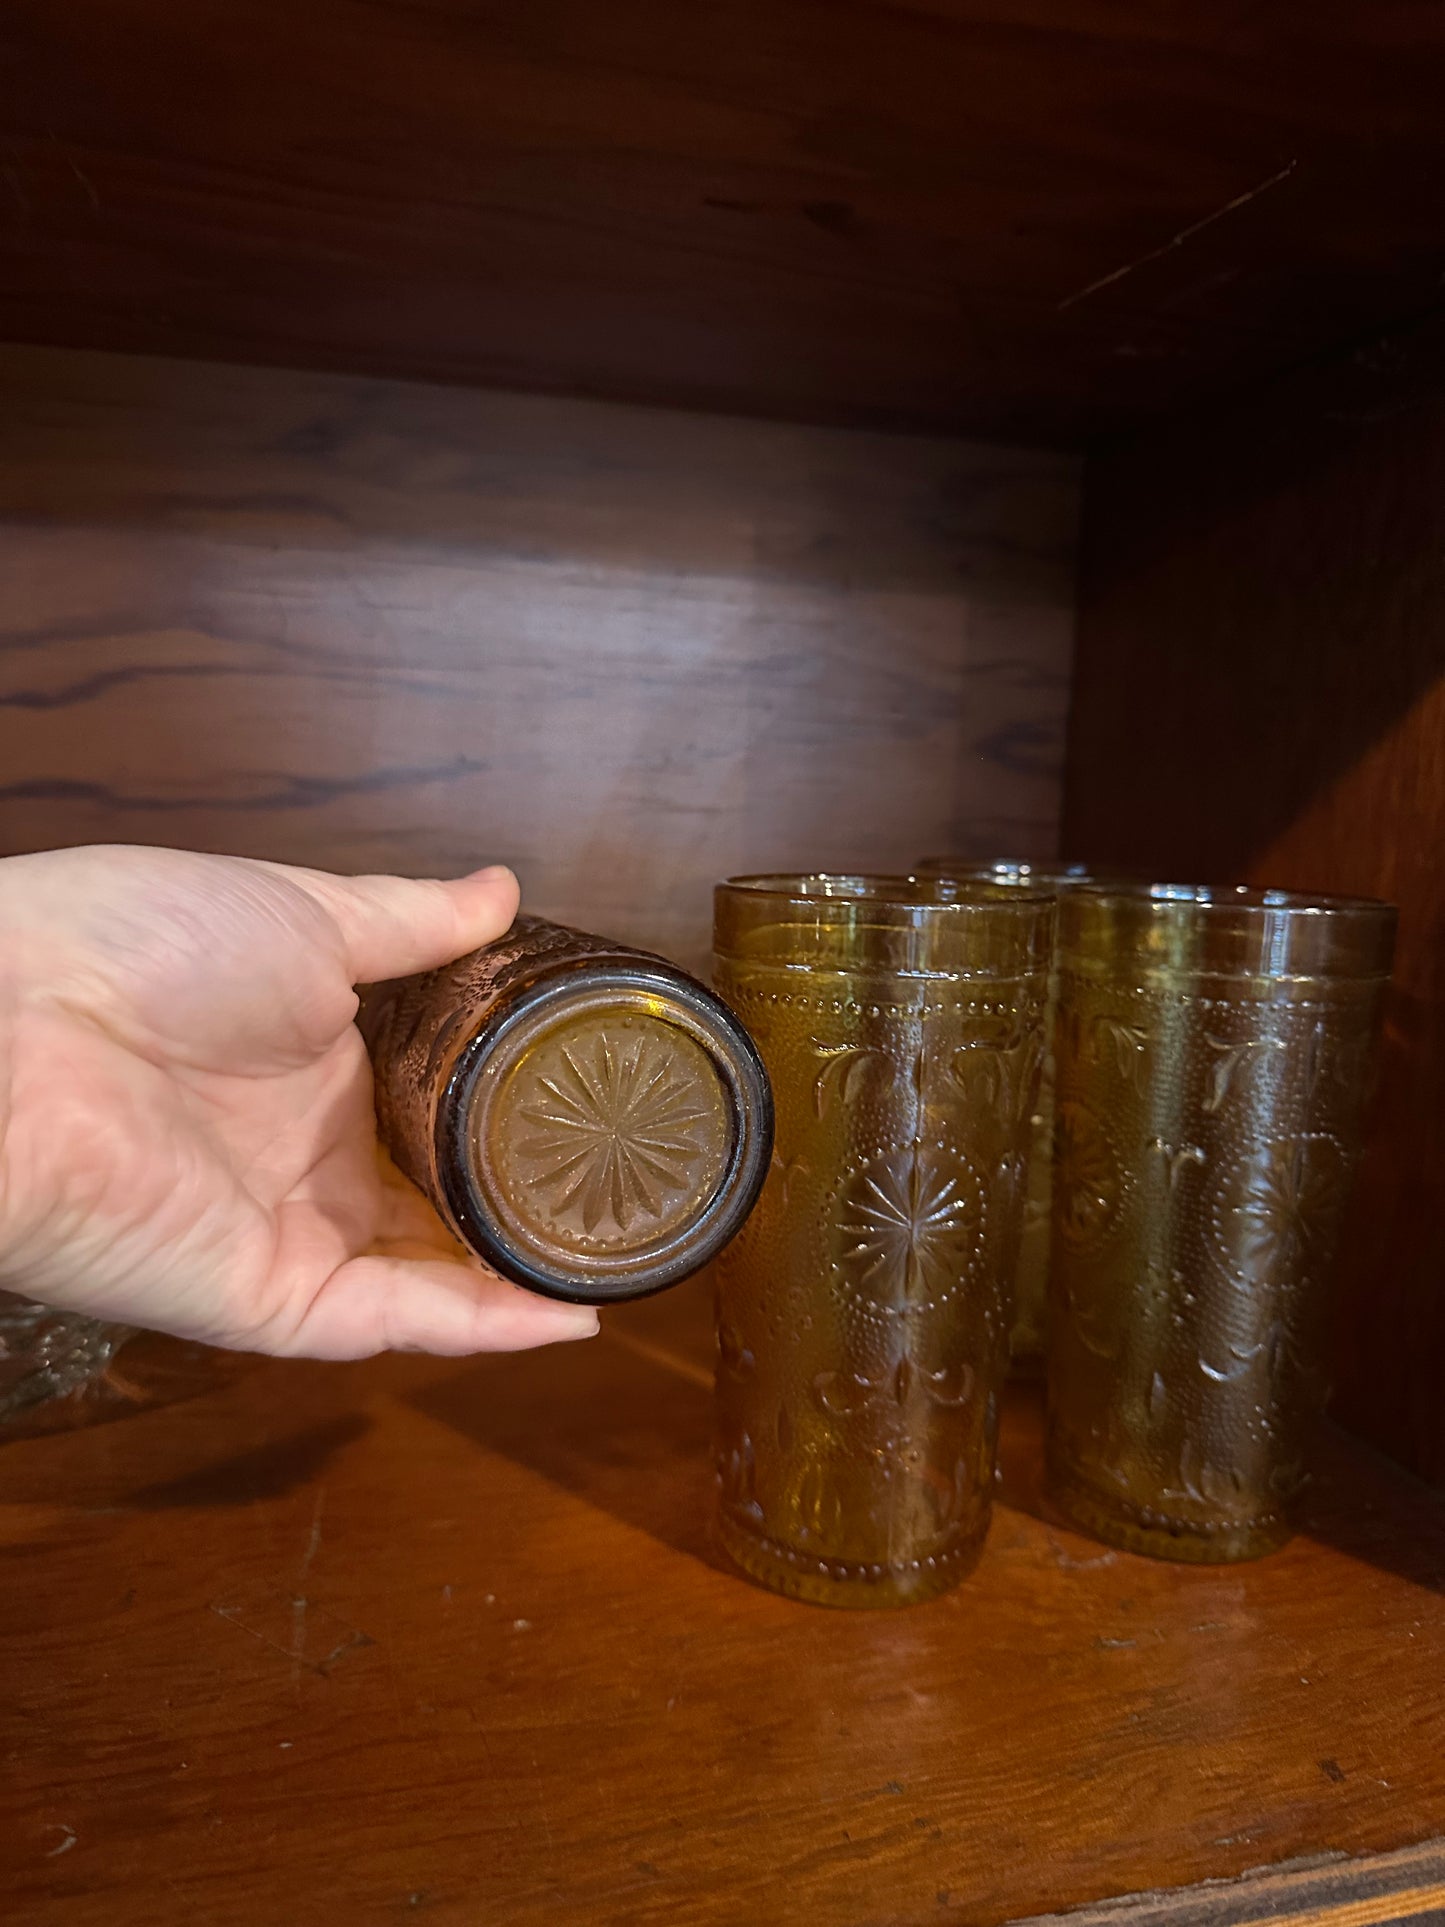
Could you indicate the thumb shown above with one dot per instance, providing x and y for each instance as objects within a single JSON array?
[
  {"x": 445, "y": 1306},
  {"x": 392, "y": 926}
]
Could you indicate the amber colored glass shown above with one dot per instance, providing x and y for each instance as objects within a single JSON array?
[
  {"x": 1031, "y": 1285},
  {"x": 586, "y": 1117},
  {"x": 863, "y": 1312},
  {"x": 1213, "y": 1051}
]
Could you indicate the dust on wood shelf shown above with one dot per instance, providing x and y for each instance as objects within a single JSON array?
[{"x": 449, "y": 1638}]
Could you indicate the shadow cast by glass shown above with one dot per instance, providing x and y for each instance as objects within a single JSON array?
[{"x": 622, "y": 1429}]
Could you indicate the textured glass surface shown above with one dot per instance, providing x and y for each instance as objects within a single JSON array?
[
  {"x": 1213, "y": 1050},
  {"x": 600, "y": 1132},
  {"x": 47, "y": 1354},
  {"x": 612, "y": 1124},
  {"x": 863, "y": 1312},
  {"x": 587, "y": 1117},
  {"x": 1031, "y": 1284}
]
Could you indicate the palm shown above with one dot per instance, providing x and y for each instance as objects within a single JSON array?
[{"x": 190, "y": 1142}]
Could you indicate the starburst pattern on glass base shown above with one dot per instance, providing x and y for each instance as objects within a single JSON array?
[{"x": 621, "y": 1134}]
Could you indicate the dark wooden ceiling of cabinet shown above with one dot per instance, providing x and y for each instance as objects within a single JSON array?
[{"x": 1046, "y": 219}]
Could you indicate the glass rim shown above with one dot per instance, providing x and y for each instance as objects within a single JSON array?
[
  {"x": 899, "y": 890},
  {"x": 983, "y": 869},
  {"x": 1239, "y": 899}
]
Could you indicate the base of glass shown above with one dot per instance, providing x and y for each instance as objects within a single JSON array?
[
  {"x": 849, "y": 1584},
  {"x": 1155, "y": 1534}
]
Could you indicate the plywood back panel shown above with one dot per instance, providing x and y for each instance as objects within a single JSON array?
[
  {"x": 1261, "y": 695},
  {"x": 370, "y": 624}
]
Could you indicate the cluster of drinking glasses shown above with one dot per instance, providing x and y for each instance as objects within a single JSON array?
[
  {"x": 1019, "y": 1120},
  {"x": 1028, "y": 1120}
]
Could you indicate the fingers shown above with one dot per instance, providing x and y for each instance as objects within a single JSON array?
[
  {"x": 378, "y": 1304},
  {"x": 392, "y": 926},
  {"x": 404, "y": 1217}
]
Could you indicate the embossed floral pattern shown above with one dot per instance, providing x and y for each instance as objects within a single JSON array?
[
  {"x": 1086, "y": 1175},
  {"x": 845, "y": 1066},
  {"x": 907, "y": 1226},
  {"x": 1234, "y": 1062},
  {"x": 872, "y": 1280},
  {"x": 619, "y": 1132},
  {"x": 845, "y": 1394},
  {"x": 1198, "y": 1206},
  {"x": 1124, "y": 1046},
  {"x": 737, "y": 1474},
  {"x": 1279, "y": 1210},
  {"x": 1004, "y": 1077}
]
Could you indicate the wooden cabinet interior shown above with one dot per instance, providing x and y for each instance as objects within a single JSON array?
[
  {"x": 344, "y": 621},
  {"x": 310, "y": 609}
]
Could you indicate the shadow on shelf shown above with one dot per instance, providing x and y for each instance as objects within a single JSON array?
[
  {"x": 1363, "y": 1505},
  {"x": 267, "y": 1472},
  {"x": 620, "y": 1423},
  {"x": 624, "y": 1423}
]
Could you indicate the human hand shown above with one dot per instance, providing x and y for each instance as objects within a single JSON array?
[{"x": 186, "y": 1131}]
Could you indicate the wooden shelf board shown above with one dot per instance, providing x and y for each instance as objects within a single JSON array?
[
  {"x": 1045, "y": 221},
  {"x": 352, "y": 1642}
]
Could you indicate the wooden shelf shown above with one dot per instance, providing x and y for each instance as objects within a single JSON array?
[
  {"x": 1044, "y": 221},
  {"x": 343, "y": 1643}
]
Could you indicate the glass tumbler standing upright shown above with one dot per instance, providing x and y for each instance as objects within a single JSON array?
[
  {"x": 1213, "y": 1051},
  {"x": 863, "y": 1312},
  {"x": 1027, "y": 1341}
]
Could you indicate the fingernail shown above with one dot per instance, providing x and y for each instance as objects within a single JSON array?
[
  {"x": 494, "y": 872},
  {"x": 584, "y": 1324}
]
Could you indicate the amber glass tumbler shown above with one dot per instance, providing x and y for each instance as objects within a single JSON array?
[
  {"x": 585, "y": 1116},
  {"x": 1213, "y": 1051},
  {"x": 863, "y": 1311},
  {"x": 1031, "y": 1284}
]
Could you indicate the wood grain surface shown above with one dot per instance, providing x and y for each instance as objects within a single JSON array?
[
  {"x": 1047, "y": 219},
  {"x": 373, "y": 625},
  {"x": 450, "y": 1640},
  {"x": 1261, "y": 695}
]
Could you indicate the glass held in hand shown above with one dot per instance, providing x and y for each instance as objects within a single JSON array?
[{"x": 587, "y": 1118}]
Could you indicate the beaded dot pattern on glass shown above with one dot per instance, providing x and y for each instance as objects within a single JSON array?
[
  {"x": 1206, "y": 1134},
  {"x": 864, "y": 1311}
]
